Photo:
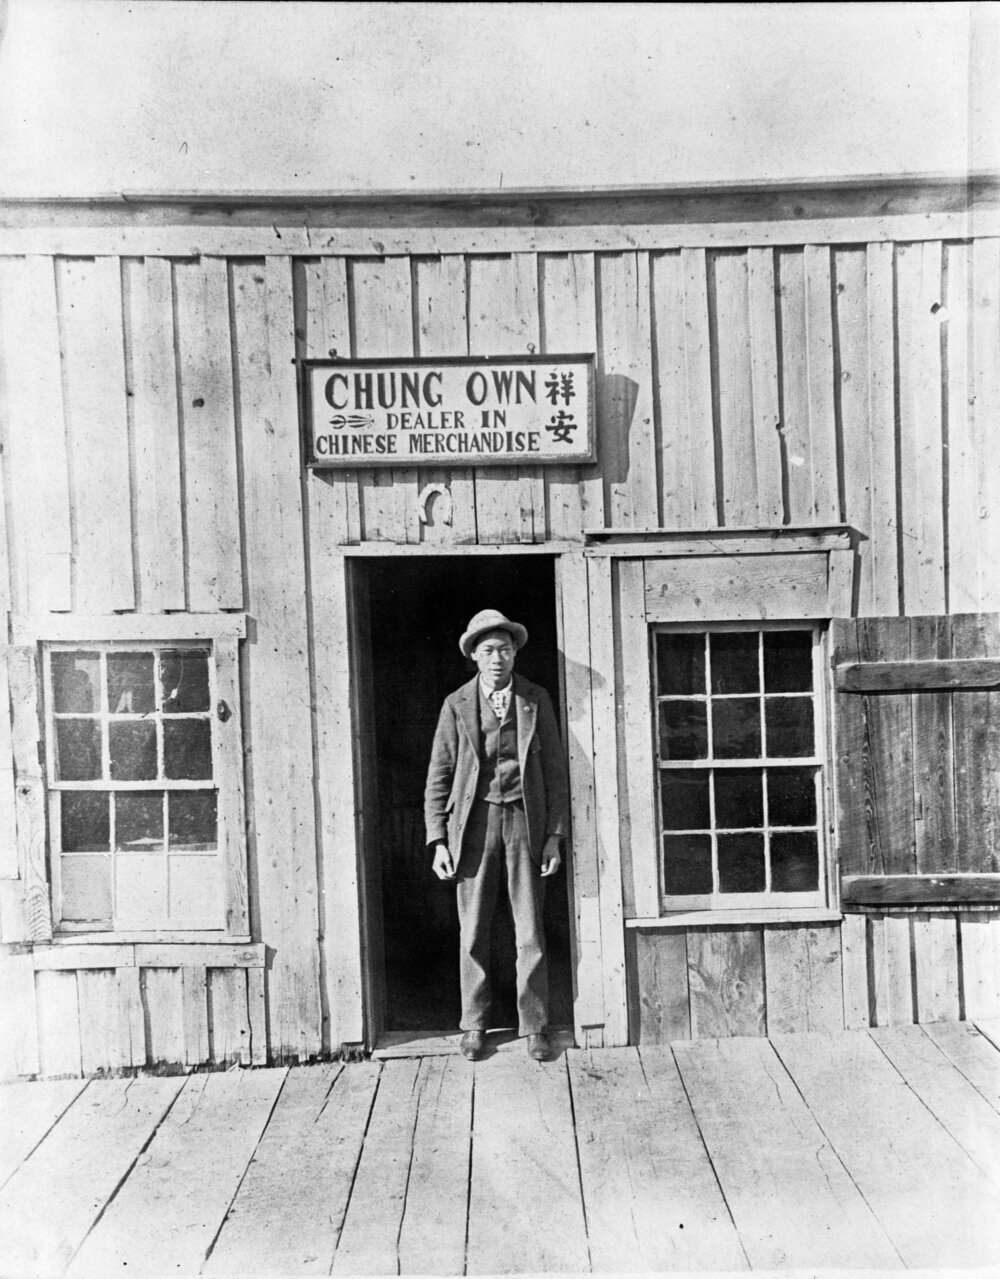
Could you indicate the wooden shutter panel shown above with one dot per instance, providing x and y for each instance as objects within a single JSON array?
[{"x": 917, "y": 758}]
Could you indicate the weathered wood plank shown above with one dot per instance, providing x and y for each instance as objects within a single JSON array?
[
  {"x": 503, "y": 320},
  {"x": 986, "y": 409},
  {"x": 208, "y": 455},
  {"x": 726, "y": 981},
  {"x": 58, "y": 1012},
  {"x": 919, "y": 890},
  {"x": 29, "y": 801},
  {"x": 697, "y": 434},
  {"x": 279, "y": 726},
  {"x": 883, "y": 525},
  {"x": 28, "y": 1112},
  {"x": 432, "y": 1234},
  {"x": 626, "y": 443},
  {"x": 764, "y": 373},
  {"x": 787, "y": 1191},
  {"x": 288, "y": 1212},
  {"x": 166, "y": 1215},
  {"x": 229, "y": 1018},
  {"x": 895, "y": 1003},
  {"x": 78, "y": 1167},
  {"x": 980, "y": 965},
  {"x": 194, "y": 983},
  {"x": 935, "y": 967},
  {"x": 934, "y": 827},
  {"x": 568, "y": 320},
  {"x": 804, "y": 979},
  {"x": 163, "y": 1003},
  {"x": 214, "y": 955},
  {"x": 34, "y": 438},
  {"x": 976, "y": 719},
  {"x": 525, "y": 1212},
  {"x": 849, "y": 266},
  {"x": 734, "y": 388},
  {"x": 797, "y": 475},
  {"x": 916, "y": 675},
  {"x": 854, "y": 961},
  {"x": 826, "y": 498},
  {"x": 605, "y": 701},
  {"x": 531, "y": 482},
  {"x": 102, "y": 1048},
  {"x": 132, "y": 1020},
  {"x": 9, "y": 868},
  {"x": 18, "y": 1019},
  {"x": 381, "y": 293},
  {"x": 854, "y": 842},
  {"x": 651, "y": 1197},
  {"x": 719, "y": 588},
  {"x": 887, "y": 756},
  {"x": 961, "y": 459},
  {"x": 659, "y": 1011},
  {"x": 152, "y": 374},
  {"x": 637, "y": 767},
  {"x": 887, "y": 1139},
  {"x": 965, "y": 1114},
  {"x": 369, "y": 1237},
  {"x": 972, "y": 1054},
  {"x": 441, "y": 310}
]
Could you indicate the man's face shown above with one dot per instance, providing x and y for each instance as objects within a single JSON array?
[{"x": 494, "y": 655}]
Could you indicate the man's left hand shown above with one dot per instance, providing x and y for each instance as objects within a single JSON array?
[{"x": 551, "y": 858}]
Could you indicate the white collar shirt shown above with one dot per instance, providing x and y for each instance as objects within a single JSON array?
[{"x": 498, "y": 698}]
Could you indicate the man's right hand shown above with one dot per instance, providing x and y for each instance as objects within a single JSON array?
[{"x": 443, "y": 866}]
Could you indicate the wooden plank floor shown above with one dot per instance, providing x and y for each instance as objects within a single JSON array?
[{"x": 871, "y": 1150}]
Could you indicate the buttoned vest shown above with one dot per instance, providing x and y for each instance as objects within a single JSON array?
[{"x": 499, "y": 769}]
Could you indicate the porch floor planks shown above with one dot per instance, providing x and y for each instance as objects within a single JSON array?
[
  {"x": 289, "y": 1210},
  {"x": 974, "y": 1055},
  {"x": 946, "y": 1093},
  {"x": 932, "y": 1200},
  {"x": 793, "y": 1203},
  {"x": 525, "y": 1213},
  {"x": 27, "y": 1112},
  {"x": 54, "y": 1198},
  {"x": 651, "y": 1198},
  {"x": 170, "y": 1209}
]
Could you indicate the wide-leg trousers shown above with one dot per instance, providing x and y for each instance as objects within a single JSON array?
[{"x": 496, "y": 846}]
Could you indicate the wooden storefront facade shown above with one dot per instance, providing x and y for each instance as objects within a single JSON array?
[{"x": 798, "y": 458}]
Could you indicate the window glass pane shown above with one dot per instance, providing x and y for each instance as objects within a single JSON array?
[
  {"x": 741, "y": 864},
  {"x": 683, "y": 730},
  {"x": 78, "y": 747},
  {"x": 687, "y": 864},
  {"x": 739, "y": 797},
  {"x": 195, "y": 890},
  {"x": 141, "y": 891},
  {"x": 76, "y": 682},
  {"x": 791, "y": 796},
  {"x": 680, "y": 664},
  {"x": 788, "y": 661},
  {"x": 184, "y": 680},
  {"x": 133, "y": 750},
  {"x": 130, "y": 683},
  {"x": 684, "y": 799},
  {"x": 85, "y": 821},
  {"x": 187, "y": 748},
  {"x": 734, "y": 663},
  {"x": 139, "y": 819},
  {"x": 794, "y": 862},
  {"x": 736, "y": 728},
  {"x": 193, "y": 819},
  {"x": 789, "y": 722},
  {"x": 86, "y": 890}
]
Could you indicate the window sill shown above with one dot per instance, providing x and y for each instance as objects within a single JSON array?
[{"x": 728, "y": 918}]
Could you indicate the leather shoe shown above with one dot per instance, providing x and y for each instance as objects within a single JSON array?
[
  {"x": 471, "y": 1044},
  {"x": 538, "y": 1047}
]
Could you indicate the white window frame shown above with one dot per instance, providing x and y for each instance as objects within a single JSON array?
[
  {"x": 221, "y": 634},
  {"x": 719, "y": 903}
]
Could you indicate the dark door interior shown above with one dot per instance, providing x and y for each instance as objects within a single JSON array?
[{"x": 417, "y": 609}]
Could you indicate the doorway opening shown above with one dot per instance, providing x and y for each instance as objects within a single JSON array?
[{"x": 414, "y": 611}]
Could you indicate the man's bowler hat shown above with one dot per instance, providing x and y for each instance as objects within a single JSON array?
[{"x": 490, "y": 619}]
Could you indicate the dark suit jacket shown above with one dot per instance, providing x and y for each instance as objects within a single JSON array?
[{"x": 454, "y": 767}]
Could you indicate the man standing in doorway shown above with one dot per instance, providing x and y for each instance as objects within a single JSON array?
[{"x": 497, "y": 806}]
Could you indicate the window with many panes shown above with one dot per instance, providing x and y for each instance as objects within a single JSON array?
[
  {"x": 741, "y": 787},
  {"x": 135, "y": 765}
]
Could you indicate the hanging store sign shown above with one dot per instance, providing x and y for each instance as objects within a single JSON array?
[{"x": 508, "y": 410}]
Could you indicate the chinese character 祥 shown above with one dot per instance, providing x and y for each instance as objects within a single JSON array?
[
  {"x": 560, "y": 384},
  {"x": 562, "y": 426}
]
